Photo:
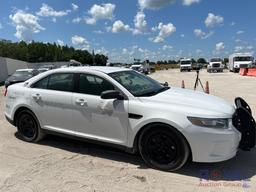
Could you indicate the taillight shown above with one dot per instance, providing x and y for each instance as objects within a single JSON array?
[{"x": 5, "y": 92}]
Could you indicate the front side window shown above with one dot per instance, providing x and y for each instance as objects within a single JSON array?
[
  {"x": 61, "y": 82},
  {"x": 41, "y": 84},
  {"x": 93, "y": 85},
  {"x": 137, "y": 84}
]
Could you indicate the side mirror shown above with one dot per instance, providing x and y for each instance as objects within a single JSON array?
[
  {"x": 111, "y": 94},
  {"x": 165, "y": 84}
]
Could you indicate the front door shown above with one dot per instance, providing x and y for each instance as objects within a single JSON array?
[{"x": 96, "y": 118}]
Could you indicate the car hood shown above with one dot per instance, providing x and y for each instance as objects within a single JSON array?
[
  {"x": 192, "y": 103},
  {"x": 18, "y": 78}
]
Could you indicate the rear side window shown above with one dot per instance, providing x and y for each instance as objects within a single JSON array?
[
  {"x": 93, "y": 85},
  {"x": 61, "y": 82}
]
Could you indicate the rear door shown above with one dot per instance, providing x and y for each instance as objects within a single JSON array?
[
  {"x": 51, "y": 98},
  {"x": 96, "y": 118}
]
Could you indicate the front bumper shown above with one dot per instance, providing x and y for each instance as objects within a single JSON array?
[{"x": 213, "y": 145}]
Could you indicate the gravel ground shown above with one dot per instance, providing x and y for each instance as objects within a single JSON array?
[{"x": 57, "y": 164}]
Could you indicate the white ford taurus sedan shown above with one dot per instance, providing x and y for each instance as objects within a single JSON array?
[{"x": 126, "y": 109}]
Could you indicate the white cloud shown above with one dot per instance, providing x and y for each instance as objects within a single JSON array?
[
  {"x": 80, "y": 41},
  {"x": 102, "y": 50},
  {"x": 98, "y": 32},
  {"x": 239, "y": 49},
  {"x": 60, "y": 42},
  {"x": 239, "y": 32},
  {"x": 154, "y": 4},
  {"x": 232, "y": 23},
  {"x": 140, "y": 23},
  {"x": 213, "y": 20},
  {"x": 220, "y": 46},
  {"x": 77, "y": 20},
  {"x": 1, "y": 26},
  {"x": 100, "y": 12},
  {"x": 26, "y": 25},
  {"x": 199, "y": 51},
  {"x": 167, "y": 47},
  {"x": 125, "y": 51},
  {"x": 47, "y": 11},
  {"x": 201, "y": 34},
  {"x": 74, "y": 6},
  {"x": 164, "y": 32},
  {"x": 54, "y": 20},
  {"x": 190, "y": 2},
  {"x": 182, "y": 35},
  {"x": 250, "y": 47},
  {"x": 119, "y": 26}
]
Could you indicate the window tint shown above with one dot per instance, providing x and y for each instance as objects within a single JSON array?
[
  {"x": 93, "y": 85},
  {"x": 42, "y": 84},
  {"x": 61, "y": 82}
]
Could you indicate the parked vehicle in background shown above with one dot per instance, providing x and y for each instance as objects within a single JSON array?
[
  {"x": 186, "y": 65},
  {"x": 240, "y": 60},
  {"x": 137, "y": 67},
  {"x": 41, "y": 70},
  {"x": 215, "y": 65},
  {"x": 129, "y": 110},
  {"x": 142, "y": 67},
  {"x": 48, "y": 67},
  {"x": 21, "y": 75},
  {"x": 72, "y": 63}
]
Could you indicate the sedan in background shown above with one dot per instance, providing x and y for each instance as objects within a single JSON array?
[{"x": 21, "y": 75}]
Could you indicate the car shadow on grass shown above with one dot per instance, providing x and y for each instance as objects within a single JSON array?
[{"x": 240, "y": 168}]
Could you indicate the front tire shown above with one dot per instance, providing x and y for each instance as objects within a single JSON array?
[
  {"x": 163, "y": 147},
  {"x": 28, "y": 127}
]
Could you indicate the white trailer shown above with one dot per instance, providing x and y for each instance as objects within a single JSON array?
[{"x": 238, "y": 60}]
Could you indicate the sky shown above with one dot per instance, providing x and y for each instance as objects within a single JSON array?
[{"x": 141, "y": 29}]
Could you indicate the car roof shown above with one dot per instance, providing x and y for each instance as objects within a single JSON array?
[{"x": 104, "y": 69}]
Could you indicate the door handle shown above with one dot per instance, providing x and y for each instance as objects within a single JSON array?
[
  {"x": 36, "y": 96},
  {"x": 81, "y": 102}
]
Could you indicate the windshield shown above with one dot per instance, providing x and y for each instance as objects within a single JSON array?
[
  {"x": 185, "y": 62},
  {"x": 137, "y": 84},
  {"x": 243, "y": 59},
  {"x": 22, "y": 73},
  {"x": 215, "y": 60}
]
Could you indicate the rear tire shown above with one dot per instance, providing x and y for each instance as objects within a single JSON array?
[
  {"x": 28, "y": 127},
  {"x": 163, "y": 147}
]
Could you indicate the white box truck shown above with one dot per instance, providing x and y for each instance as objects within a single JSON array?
[
  {"x": 215, "y": 65},
  {"x": 186, "y": 65},
  {"x": 239, "y": 60}
]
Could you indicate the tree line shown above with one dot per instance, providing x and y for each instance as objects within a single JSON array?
[{"x": 36, "y": 52}]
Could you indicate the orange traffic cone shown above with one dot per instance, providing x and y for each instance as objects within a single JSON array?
[
  {"x": 183, "y": 84},
  {"x": 207, "y": 88}
]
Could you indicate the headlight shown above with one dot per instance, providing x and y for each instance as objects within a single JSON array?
[{"x": 211, "y": 123}]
